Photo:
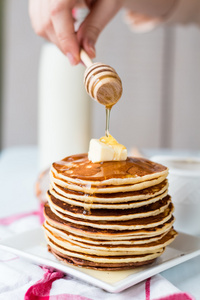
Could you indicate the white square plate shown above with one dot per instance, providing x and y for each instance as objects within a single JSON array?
[{"x": 31, "y": 245}]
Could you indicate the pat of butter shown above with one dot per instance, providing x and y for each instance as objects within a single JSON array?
[{"x": 106, "y": 149}]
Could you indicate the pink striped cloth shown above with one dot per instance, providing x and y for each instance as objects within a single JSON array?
[
  {"x": 41, "y": 290},
  {"x": 10, "y": 219},
  {"x": 20, "y": 279}
]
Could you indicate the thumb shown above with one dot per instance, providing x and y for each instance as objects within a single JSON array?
[{"x": 101, "y": 12}]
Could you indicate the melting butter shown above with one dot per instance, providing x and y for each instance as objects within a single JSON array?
[{"x": 106, "y": 149}]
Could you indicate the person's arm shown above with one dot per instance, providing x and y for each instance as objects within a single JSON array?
[
  {"x": 145, "y": 15},
  {"x": 185, "y": 12}
]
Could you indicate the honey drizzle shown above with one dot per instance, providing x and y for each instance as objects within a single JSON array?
[{"x": 108, "y": 109}]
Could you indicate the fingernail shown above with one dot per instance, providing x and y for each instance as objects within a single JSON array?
[
  {"x": 72, "y": 59},
  {"x": 92, "y": 48}
]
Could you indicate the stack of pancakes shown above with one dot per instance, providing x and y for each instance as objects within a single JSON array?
[{"x": 109, "y": 216}]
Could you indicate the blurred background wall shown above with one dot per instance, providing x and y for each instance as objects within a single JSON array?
[
  {"x": 21, "y": 49},
  {"x": 160, "y": 71}
]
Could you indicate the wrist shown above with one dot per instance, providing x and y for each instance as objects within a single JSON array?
[{"x": 151, "y": 8}]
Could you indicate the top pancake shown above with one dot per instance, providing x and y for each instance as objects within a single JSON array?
[{"x": 79, "y": 170}]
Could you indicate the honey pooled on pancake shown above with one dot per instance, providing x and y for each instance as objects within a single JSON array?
[{"x": 109, "y": 215}]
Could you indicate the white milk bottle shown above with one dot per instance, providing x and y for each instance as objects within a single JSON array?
[{"x": 63, "y": 108}]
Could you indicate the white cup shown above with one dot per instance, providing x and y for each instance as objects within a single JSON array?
[{"x": 184, "y": 188}]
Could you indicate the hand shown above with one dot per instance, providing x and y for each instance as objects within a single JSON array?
[{"x": 53, "y": 20}]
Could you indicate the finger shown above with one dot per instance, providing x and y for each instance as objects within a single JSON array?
[
  {"x": 37, "y": 18},
  {"x": 63, "y": 23},
  {"x": 101, "y": 13},
  {"x": 51, "y": 36},
  {"x": 40, "y": 19}
]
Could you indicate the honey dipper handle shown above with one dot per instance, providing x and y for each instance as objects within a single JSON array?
[{"x": 85, "y": 58}]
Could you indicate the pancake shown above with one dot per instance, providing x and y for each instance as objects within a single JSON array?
[
  {"x": 123, "y": 200},
  {"x": 92, "y": 189},
  {"x": 148, "y": 259},
  {"x": 132, "y": 224},
  {"x": 78, "y": 168},
  {"x": 101, "y": 259},
  {"x": 143, "y": 194},
  {"x": 151, "y": 209},
  {"x": 91, "y": 205},
  {"x": 110, "y": 215},
  {"x": 99, "y": 233},
  {"x": 132, "y": 240},
  {"x": 117, "y": 250}
]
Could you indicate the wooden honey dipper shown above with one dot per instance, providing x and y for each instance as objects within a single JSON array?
[{"x": 102, "y": 82}]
